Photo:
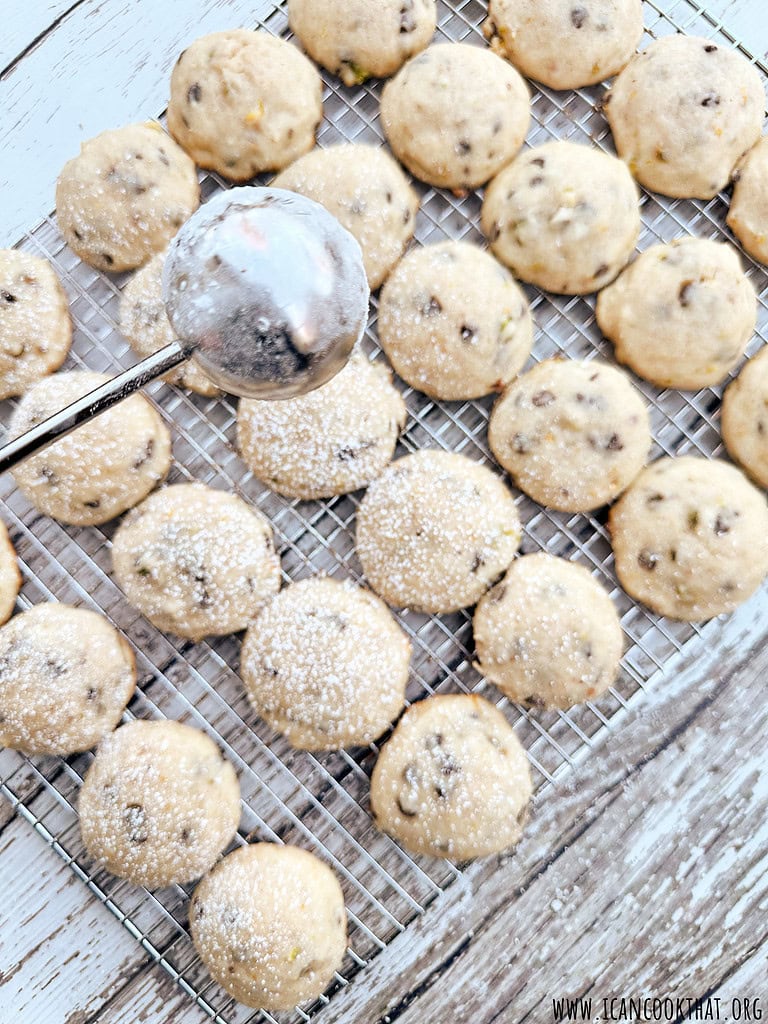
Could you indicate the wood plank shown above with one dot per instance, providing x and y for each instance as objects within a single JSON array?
[
  {"x": 23, "y": 24},
  {"x": 153, "y": 997},
  {"x": 69, "y": 954}
]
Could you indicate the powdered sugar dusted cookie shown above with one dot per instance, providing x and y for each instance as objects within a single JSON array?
[
  {"x": 159, "y": 804},
  {"x": 144, "y": 322},
  {"x": 453, "y": 780},
  {"x": 564, "y": 217},
  {"x": 269, "y": 924},
  {"x": 572, "y": 434},
  {"x": 689, "y": 538},
  {"x": 453, "y": 322},
  {"x": 35, "y": 327},
  {"x": 197, "y": 562},
  {"x": 332, "y": 440},
  {"x": 326, "y": 664},
  {"x": 748, "y": 213},
  {"x": 565, "y": 43},
  {"x": 680, "y": 315},
  {"x": 125, "y": 196},
  {"x": 66, "y": 676},
  {"x": 243, "y": 102},
  {"x": 745, "y": 418},
  {"x": 104, "y": 467},
  {"x": 683, "y": 112},
  {"x": 367, "y": 192},
  {"x": 10, "y": 577},
  {"x": 435, "y": 530},
  {"x": 359, "y": 39},
  {"x": 455, "y": 115},
  {"x": 548, "y": 635}
]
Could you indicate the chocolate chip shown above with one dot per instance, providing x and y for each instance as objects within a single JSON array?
[
  {"x": 498, "y": 124},
  {"x": 463, "y": 147},
  {"x": 406, "y": 216},
  {"x": 494, "y": 233},
  {"x": 652, "y": 499},
  {"x": 711, "y": 100},
  {"x": 537, "y": 180},
  {"x": 468, "y": 333},
  {"x": 721, "y": 525},
  {"x": 163, "y": 157},
  {"x": 538, "y": 161},
  {"x": 542, "y": 398},
  {"x": 432, "y": 307},
  {"x": 602, "y": 269},
  {"x": 48, "y": 474},
  {"x": 435, "y": 740},
  {"x": 647, "y": 560},
  {"x": 710, "y": 48},
  {"x": 693, "y": 519},
  {"x": 93, "y": 503},
  {"x": 7, "y": 297},
  {"x": 185, "y": 836},
  {"x": 521, "y": 444},
  {"x": 579, "y": 16},
  {"x": 761, "y": 427},
  {"x": 498, "y": 593},
  {"x": 135, "y": 818},
  {"x": 407, "y": 17},
  {"x": 477, "y": 563},
  {"x": 91, "y": 693},
  {"x": 615, "y": 444},
  {"x": 405, "y": 811},
  {"x": 77, "y": 234},
  {"x": 107, "y": 259},
  {"x": 685, "y": 292},
  {"x": 349, "y": 454},
  {"x": 194, "y": 93}
]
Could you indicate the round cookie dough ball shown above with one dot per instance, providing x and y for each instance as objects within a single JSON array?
[
  {"x": 269, "y": 924},
  {"x": 66, "y": 676},
  {"x": 35, "y": 327},
  {"x": 159, "y": 804},
  {"x": 680, "y": 315},
  {"x": 682, "y": 113},
  {"x": 10, "y": 577},
  {"x": 195, "y": 561},
  {"x": 548, "y": 635},
  {"x": 748, "y": 213},
  {"x": 435, "y": 530},
  {"x": 564, "y": 217},
  {"x": 101, "y": 469},
  {"x": 125, "y": 196},
  {"x": 745, "y": 418},
  {"x": 145, "y": 324},
  {"x": 565, "y": 44},
  {"x": 333, "y": 440},
  {"x": 360, "y": 39},
  {"x": 366, "y": 191},
  {"x": 243, "y": 102},
  {"x": 326, "y": 664},
  {"x": 453, "y": 322},
  {"x": 571, "y": 434},
  {"x": 453, "y": 780},
  {"x": 689, "y": 538},
  {"x": 455, "y": 115}
]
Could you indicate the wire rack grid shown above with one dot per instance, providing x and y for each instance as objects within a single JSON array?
[{"x": 321, "y": 801}]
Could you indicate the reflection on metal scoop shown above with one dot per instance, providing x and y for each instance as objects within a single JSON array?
[{"x": 268, "y": 292}]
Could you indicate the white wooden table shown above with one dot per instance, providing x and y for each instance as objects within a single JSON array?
[{"x": 646, "y": 877}]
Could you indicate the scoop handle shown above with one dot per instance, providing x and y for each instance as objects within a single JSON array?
[{"x": 90, "y": 405}]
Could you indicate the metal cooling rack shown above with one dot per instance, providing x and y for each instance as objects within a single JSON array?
[{"x": 321, "y": 801}]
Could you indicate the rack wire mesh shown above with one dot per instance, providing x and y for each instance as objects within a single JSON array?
[{"x": 320, "y": 801}]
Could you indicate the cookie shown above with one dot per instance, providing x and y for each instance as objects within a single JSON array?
[
  {"x": 563, "y": 216},
  {"x": 435, "y": 531},
  {"x": 748, "y": 212},
  {"x": 689, "y": 538},
  {"x": 159, "y": 804},
  {"x": 681, "y": 315},
  {"x": 333, "y": 440},
  {"x": 360, "y": 39},
  {"x": 572, "y": 434},
  {"x": 106, "y": 466},
  {"x": 269, "y": 924},
  {"x": 125, "y": 196},
  {"x": 243, "y": 102},
  {"x": 548, "y": 635},
  {"x": 455, "y": 115},
  {"x": 453, "y": 322},
  {"x": 326, "y": 664},
  {"x": 453, "y": 780},
  {"x": 35, "y": 326},
  {"x": 144, "y": 323},
  {"x": 66, "y": 676},
  {"x": 565, "y": 44},
  {"x": 744, "y": 418},
  {"x": 683, "y": 112},
  {"x": 10, "y": 577},
  {"x": 367, "y": 192},
  {"x": 195, "y": 561}
]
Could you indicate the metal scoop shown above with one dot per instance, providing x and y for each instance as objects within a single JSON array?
[{"x": 268, "y": 293}]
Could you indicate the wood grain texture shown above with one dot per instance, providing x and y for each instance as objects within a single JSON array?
[{"x": 648, "y": 867}]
